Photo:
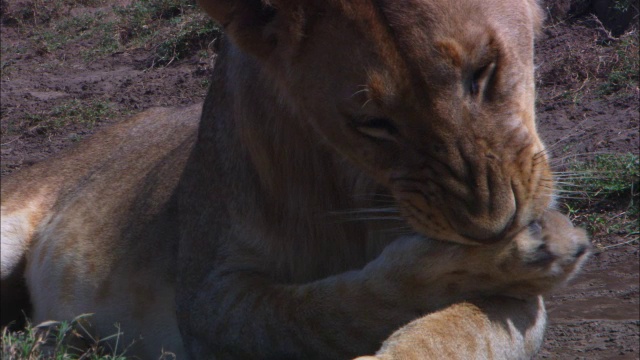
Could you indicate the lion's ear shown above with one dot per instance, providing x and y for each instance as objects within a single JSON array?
[{"x": 246, "y": 22}]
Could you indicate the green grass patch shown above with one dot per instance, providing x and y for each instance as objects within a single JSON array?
[
  {"x": 173, "y": 29},
  {"x": 178, "y": 28},
  {"x": 608, "y": 176},
  {"x": 93, "y": 27},
  {"x": 604, "y": 194},
  {"x": 58, "y": 341},
  {"x": 623, "y": 5},
  {"x": 624, "y": 73},
  {"x": 41, "y": 12},
  {"x": 68, "y": 113},
  {"x": 76, "y": 111},
  {"x": 67, "y": 340},
  {"x": 190, "y": 34}
]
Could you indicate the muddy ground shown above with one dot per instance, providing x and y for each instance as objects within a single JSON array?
[{"x": 582, "y": 110}]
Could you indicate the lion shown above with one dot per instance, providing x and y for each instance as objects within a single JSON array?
[{"x": 365, "y": 179}]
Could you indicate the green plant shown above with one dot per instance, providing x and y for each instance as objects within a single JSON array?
[
  {"x": 68, "y": 113},
  {"x": 603, "y": 194},
  {"x": 190, "y": 33},
  {"x": 622, "y": 5},
  {"x": 625, "y": 70},
  {"x": 175, "y": 29},
  {"x": 141, "y": 18},
  {"x": 88, "y": 113},
  {"x": 178, "y": 28},
  {"x": 57, "y": 340},
  {"x": 57, "y": 34},
  {"x": 41, "y": 12},
  {"x": 54, "y": 340},
  {"x": 608, "y": 176}
]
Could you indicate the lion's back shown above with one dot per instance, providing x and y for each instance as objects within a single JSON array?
[{"x": 102, "y": 222}]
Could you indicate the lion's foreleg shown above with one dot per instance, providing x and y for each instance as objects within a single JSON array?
[
  {"x": 239, "y": 313},
  {"x": 243, "y": 316},
  {"x": 491, "y": 328}
]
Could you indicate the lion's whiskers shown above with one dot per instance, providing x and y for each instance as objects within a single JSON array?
[
  {"x": 365, "y": 89},
  {"x": 368, "y": 214},
  {"x": 575, "y": 156},
  {"x": 571, "y": 134}
]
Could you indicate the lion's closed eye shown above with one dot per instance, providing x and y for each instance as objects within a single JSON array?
[
  {"x": 380, "y": 128},
  {"x": 480, "y": 79}
]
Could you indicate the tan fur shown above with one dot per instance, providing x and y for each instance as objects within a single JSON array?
[{"x": 357, "y": 165}]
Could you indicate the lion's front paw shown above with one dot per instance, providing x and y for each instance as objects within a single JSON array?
[{"x": 546, "y": 254}]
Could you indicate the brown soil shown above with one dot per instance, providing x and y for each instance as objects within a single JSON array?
[{"x": 579, "y": 111}]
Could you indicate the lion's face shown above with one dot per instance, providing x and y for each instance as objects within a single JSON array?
[{"x": 435, "y": 100}]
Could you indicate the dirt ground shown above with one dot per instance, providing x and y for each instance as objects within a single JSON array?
[
  {"x": 597, "y": 315},
  {"x": 581, "y": 111}
]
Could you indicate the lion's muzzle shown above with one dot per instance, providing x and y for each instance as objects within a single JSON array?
[{"x": 488, "y": 211}]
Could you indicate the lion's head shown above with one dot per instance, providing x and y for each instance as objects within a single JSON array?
[{"x": 436, "y": 106}]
